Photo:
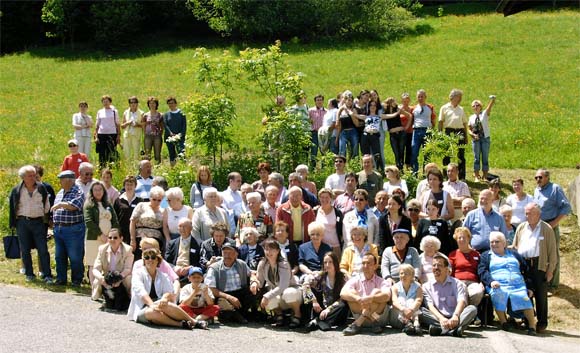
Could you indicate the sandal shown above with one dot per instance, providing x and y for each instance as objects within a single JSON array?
[
  {"x": 201, "y": 324},
  {"x": 294, "y": 322},
  {"x": 279, "y": 321}
]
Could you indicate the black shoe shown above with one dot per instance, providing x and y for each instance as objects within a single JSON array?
[
  {"x": 30, "y": 278},
  {"x": 237, "y": 317},
  {"x": 532, "y": 332},
  {"x": 458, "y": 332},
  {"x": 76, "y": 284},
  {"x": 48, "y": 280},
  {"x": 377, "y": 328},
  {"x": 435, "y": 330},
  {"x": 312, "y": 325},
  {"x": 201, "y": 324},
  {"x": 59, "y": 282},
  {"x": 506, "y": 326},
  {"x": 352, "y": 330},
  {"x": 294, "y": 322}
]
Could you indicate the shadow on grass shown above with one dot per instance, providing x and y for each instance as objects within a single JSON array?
[
  {"x": 164, "y": 43},
  {"x": 569, "y": 294}
]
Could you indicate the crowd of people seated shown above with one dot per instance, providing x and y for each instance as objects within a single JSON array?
[{"x": 357, "y": 252}]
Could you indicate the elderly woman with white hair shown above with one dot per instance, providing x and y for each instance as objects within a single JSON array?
[
  {"x": 311, "y": 254},
  {"x": 506, "y": 277},
  {"x": 429, "y": 246},
  {"x": 256, "y": 218},
  {"x": 352, "y": 256},
  {"x": 147, "y": 221},
  {"x": 302, "y": 169},
  {"x": 207, "y": 215},
  {"x": 176, "y": 211}
]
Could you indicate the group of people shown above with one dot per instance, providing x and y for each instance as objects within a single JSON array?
[
  {"x": 348, "y": 123},
  {"x": 295, "y": 253},
  {"x": 141, "y": 132}
]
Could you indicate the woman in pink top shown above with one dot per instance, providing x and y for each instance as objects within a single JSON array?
[
  {"x": 107, "y": 132},
  {"x": 153, "y": 121}
]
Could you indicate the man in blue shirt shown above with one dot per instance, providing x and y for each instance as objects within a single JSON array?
[
  {"x": 554, "y": 207},
  {"x": 482, "y": 221}
]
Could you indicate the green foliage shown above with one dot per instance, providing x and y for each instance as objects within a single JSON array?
[
  {"x": 305, "y": 19},
  {"x": 211, "y": 116},
  {"x": 63, "y": 15},
  {"x": 439, "y": 145},
  {"x": 115, "y": 21}
]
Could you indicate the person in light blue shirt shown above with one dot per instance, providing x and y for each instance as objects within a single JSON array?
[
  {"x": 554, "y": 207},
  {"x": 482, "y": 221}
]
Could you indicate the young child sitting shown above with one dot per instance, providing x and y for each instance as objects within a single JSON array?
[
  {"x": 197, "y": 299},
  {"x": 407, "y": 298},
  {"x": 250, "y": 251}
]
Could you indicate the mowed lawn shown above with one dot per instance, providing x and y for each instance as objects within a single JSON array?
[{"x": 529, "y": 61}]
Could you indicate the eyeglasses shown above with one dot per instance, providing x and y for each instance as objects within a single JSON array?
[
  {"x": 338, "y": 161},
  {"x": 158, "y": 200},
  {"x": 88, "y": 173},
  {"x": 113, "y": 238},
  {"x": 133, "y": 102},
  {"x": 539, "y": 177},
  {"x": 72, "y": 145},
  {"x": 360, "y": 199},
  {"x": 413, "y": 209},
  {"x": 149, "y": 257}
]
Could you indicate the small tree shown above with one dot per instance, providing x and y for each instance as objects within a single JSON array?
[
  {"x": 439, "y": 145},
  {"x": 211, "y": 115},
  {"x": 286, "y": 135}
]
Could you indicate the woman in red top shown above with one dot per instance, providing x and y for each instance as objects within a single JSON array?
[{"x": 464, "y": 263}]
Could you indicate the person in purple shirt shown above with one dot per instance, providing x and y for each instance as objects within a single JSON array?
[
  {"x": 447, "y": 311},
  {"x": 482, "y": 221}
]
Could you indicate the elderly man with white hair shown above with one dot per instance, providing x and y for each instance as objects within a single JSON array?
[
  {"x": 85, "y": 179},
  {"x": 482, "y": 221},
  {"x": 144, "y": 179},
  {"x": 271, "y": 205},
  {"x": 453, "y": 120},
  {"x": 277, "y": 180},
  {"x": 297, "y": 214},
  {"x": 255, "y": 218},
  {"x": 536, "y": 243},
  {"x": 183, "y": 253},
  {"x": 207, "y": 215}
]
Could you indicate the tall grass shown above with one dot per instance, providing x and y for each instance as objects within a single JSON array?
[{"x": 530, "y": 61}]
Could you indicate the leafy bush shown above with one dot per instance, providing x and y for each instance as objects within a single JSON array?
[
  {"x": 306, "y": 19},
  {"x": 115, "y": 21}
]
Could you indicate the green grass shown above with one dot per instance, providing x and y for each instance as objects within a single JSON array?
[{"x": 530, "y": 61}]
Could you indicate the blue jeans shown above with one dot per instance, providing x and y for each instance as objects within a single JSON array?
[
  {"x": 481, "y": 149},
  {"x": 332, "y": 145},
  {"x": 70, "y": 244},
  {"x": 350, "y": 136},
  {"x": 418, "y": 142},
  {"x": 33, "y": 232},
  {"x": 398, "y": 140}
]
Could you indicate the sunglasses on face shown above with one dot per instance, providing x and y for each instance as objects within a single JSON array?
[
  {"x": 113, "y": 238},
  {"x": 158, "y": 200},
  {"x": 149, "y": 257},
  {"x": 413, "y": 209},
  {"x": 360, "y": 200},
  {"x": 539, "y": 177},
  {"x": 72, "y": 145}
]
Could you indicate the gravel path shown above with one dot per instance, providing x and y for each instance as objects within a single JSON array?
[{"x": 33, "y": 320}]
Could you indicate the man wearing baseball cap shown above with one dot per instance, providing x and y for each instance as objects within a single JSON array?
[{"x": 229, "y": 280}]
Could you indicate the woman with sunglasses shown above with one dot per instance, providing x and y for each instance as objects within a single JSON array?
[
  {"x": 112, "y": 272},
  {"x": 153, "y": 299},
  {"x": 100, "y": 218},
  {"x": 147, "y": 221},
  {"x": 414, "y": 214},
  {"x": 480, "y": 132}
]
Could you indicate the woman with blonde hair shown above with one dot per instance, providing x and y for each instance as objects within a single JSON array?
[{"x": 202, "y": 182}]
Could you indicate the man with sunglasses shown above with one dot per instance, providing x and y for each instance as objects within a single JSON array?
[
  {"x": 554, "y": 207},
  {"x": 85, "y": 179}
]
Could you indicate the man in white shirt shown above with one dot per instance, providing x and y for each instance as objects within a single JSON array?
[
  {"x": 458, "y": 189},
  {"x": 232, "y": 195},
  {"x": 336, "y": 182}
]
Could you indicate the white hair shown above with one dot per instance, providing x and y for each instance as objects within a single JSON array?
[
  {"x": 174, "y": 193},
  {"x": 157, "y": 191},
  {"x": 253, "y": 196},
  {"x": 429, "y": 239},
  {"x": 24, "y": 170},
  {"x": 208, "y": 191}
]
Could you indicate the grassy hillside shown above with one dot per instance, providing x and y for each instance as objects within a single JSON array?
[{"x": 530, "y": 61}]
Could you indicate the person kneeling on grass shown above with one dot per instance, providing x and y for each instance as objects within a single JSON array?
[
  {"x": 367, "y": 297},
  {"x": 446, "y": 310},
  {"x": 197, "y": 299},
  {"x": 152, "y": 297},
  {"x": 408, "y": 296}
]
